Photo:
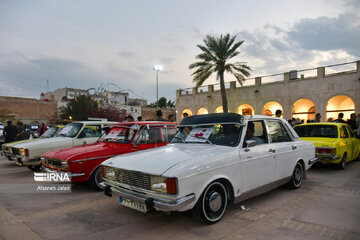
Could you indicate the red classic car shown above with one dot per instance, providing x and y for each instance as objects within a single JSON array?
[{"x": 127, "y": 137}]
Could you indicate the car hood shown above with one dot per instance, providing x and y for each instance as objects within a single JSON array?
[
  {"x": 46, "y": 143},
  {"x": 94, "y": 150},
  {"x": 157, "y": 161},
  {"x": 12, "y": 144},
  {"x": 321, "y": 142}
]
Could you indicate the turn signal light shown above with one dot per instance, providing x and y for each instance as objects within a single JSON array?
[{"x": 171, "y": 186}]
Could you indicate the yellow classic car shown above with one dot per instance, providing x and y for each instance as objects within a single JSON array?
[{"x": 335, "y": 143}]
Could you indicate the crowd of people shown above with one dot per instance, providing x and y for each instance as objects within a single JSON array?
[
  {"x": 20, "y": 131},
  {"x": 354, "y": 121}
]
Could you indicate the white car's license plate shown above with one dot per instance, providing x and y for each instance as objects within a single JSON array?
[{"x": 133, "y": 204}]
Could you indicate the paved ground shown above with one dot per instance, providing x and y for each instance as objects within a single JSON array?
[{"x": 327, "y": 206}]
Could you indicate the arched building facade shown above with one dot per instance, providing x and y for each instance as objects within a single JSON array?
[{"x": 326, "y": 90}]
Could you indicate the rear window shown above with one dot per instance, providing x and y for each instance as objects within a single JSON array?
[{"x": 321, "y": 131}]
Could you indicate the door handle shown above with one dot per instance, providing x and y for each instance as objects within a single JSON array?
[
  {"x": 294, "y": 147},
  {"x": 271, "y": 150}
]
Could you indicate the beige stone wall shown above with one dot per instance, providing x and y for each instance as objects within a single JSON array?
[
  {"x": 29, "y": 109},
  {"x": 150, "y": 113},
  {"x": 319, "y": 89}
]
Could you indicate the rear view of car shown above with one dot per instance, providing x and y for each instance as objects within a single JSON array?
[{"x": 335, "y": 142}]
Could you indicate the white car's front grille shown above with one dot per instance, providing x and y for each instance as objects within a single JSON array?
[{"x": 132, "y": 178}]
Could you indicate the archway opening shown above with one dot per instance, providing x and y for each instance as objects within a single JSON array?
[
  {"x": 188, "y": 111},
  {"x": 304, "y": 109},
  {"x": 219, "y": 109},
  {"x": 340, "y": 104},
  {"x": 245, "y": 109},
  {"x": 271, "y": 107},
  {"x": 202, "y": 111}
]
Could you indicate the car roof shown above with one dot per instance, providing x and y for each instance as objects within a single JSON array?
[
  {"x": 142, "y": 123},
  {"x": 213, "y": 118},
  {"x": 322, "y": 123},
  {"x": 96, "y": 122}
]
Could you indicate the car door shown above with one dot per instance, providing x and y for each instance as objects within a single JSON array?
[
  {"x": 351, "y": 143},
  {"x": 285, "y": 148},
  {"x": 149, "y": 137},
  {"x": 89, "y": 134},
  {"x": 258, "y": 164}
]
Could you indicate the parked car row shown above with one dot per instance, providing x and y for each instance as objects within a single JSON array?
[{"x": 211, "y": 160}]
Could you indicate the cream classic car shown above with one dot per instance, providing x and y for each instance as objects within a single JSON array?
[
  {"x": 213, "y": 160},
  {"x": 73, "y": 134}
]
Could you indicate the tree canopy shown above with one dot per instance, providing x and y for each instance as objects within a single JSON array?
[
  {"x": 214, "y": 58},
  {"x": 78, "y": 108}
]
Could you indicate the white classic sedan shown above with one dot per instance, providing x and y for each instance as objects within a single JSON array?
[
  {"x": 73, "y": 134},
  {"x": 213, "y": 160}
]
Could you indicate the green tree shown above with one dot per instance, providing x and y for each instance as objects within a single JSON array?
[
  {"x": 78, "y": 108},
  {"x": 162, "y": 102},
  {"x": 214, "y": 58}
]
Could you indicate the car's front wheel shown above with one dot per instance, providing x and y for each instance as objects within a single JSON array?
[
  {"x": 211, "y": 206},
  {"x": 297, "y": 177},
  {"x": 96, "y": 179}
]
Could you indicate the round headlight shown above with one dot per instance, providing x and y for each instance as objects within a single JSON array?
[{"x": 109, "y": 172}]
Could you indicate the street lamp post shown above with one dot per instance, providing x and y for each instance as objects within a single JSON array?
[{"x": 157, "y": 68}]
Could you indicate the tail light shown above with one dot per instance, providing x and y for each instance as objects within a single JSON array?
[
  {"x": 326, "y": 150},
  {"x": 26, "y": 152}
]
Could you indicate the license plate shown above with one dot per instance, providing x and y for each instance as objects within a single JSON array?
[{"x": 133, "y": 204}]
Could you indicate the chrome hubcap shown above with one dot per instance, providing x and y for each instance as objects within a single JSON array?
[
  {"x": 215, "y": 201},
  {"x": 297, "y": 175}
]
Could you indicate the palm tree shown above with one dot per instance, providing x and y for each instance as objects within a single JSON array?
[{"x": 215, "y": 58}]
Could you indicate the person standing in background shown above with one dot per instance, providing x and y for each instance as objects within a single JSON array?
[
  {"x": 10, "y": 132},
  {"x": 278, "y": 113}
]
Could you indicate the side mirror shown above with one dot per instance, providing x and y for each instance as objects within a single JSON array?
[{"x": 250, "y": 143}]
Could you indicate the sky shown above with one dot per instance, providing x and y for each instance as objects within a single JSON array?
[{"x": 114, "y": 44}]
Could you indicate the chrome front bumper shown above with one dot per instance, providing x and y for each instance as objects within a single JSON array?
[
  {"x": 151, "y": 202},
  {"x": 49, "y": 170},
  {"x": 25, "y": 161}
]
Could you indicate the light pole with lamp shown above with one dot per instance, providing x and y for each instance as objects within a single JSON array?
[{"x": 157, "y": 68}]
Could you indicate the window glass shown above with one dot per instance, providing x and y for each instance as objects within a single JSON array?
[
  {"x": 70, "y": 130},
  {"x": 277, "y": 133},
  {"x": 171, "y": 133},
  {"x": 119, "y": 135},
  {"x": 149, "y": 136},
  {"x": 343, "y": 132},
  {"x": 91, "y": 131},
  {"x": 323, "y": 131},
  {"x": 219, "y": 134},
  {"x": 256, "y": 131},
  {"x": 50, "y": 132},
  {"x": 352, "y": 135}
]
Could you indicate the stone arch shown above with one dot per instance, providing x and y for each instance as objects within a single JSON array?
[
  {"x": 245, "y": 109},
  {"x": 202, "y": 111},
  {"x": 304, "y": 109},
  {"x": 188, "y": 111},
  {"x": 338, "y": 104},
  {"x": 219, "y": 109},
  {"x": 270, "y": 108}
]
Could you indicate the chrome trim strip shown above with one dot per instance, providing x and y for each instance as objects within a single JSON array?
[
  {"x": 210, "y": 124},
  {"x": 49, "y": 170},
  {"x": 314, "y": 160},
  {"x": 260, "y": 190},
  {"x": 159, "y": 203},
  {"x": 94, "y": 158}
]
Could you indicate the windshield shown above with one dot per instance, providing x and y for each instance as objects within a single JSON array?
[
  {"x": 119, "y": 135},
  {"x": 219, "y": 134},
  {"x": 70, "y": 130},
  {"x": 321, "y": 131},
  {"x": 50, "y": 132}
]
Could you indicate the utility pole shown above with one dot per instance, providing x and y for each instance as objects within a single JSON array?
[{"x": 47, "y": 85}]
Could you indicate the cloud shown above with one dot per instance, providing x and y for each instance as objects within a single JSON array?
[
  {"x": 167, "y": 60},
  {"x": 127, "y": 54},
  {"x": 308, "y": 43},
  {"x": 325, "y": 33}
]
